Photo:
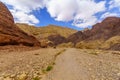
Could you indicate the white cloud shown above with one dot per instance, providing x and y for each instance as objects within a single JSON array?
[
  {"x": 114, "y": 3},
  {"x": 81, "y": 12},
  {"x": 25, "y": 5},
  {"x": 76, "y": 10},
  {"x": 62, "y": 10},
  {"x": 22, "y": 17},
  {"x": 83, "y": 23},
  {"x": 22, "y": 9},
  {"x": 108, "y": 14}
]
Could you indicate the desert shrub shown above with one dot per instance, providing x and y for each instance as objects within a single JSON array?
[
  {"x": 36, "y": 78},
  {"x": 49, "y": 68},
  {"x": 67, "y": 45}
]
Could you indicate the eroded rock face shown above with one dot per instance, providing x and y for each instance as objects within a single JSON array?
[
  {"x": 109, "y": 27},
  {"x": 76, "y": 37},
  {"x": 99, "y": 33},
  {"x": 10, "y": 34},
  {"x": 57, "y": 39},
  {"x": 5, "y": 16},
  {"x": 115, "y": 47}
]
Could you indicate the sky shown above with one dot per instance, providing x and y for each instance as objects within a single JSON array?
[{"x": 76, "y": 14}]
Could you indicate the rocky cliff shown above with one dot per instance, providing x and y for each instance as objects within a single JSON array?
[{"x": 10, "y": 34}]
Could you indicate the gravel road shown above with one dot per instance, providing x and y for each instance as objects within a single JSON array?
[{"x": 75, "y": 64}]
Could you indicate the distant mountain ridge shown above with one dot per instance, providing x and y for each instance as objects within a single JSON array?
[
  {"x": 46, "y": 31},
  {"x": 97, "y": 37}
]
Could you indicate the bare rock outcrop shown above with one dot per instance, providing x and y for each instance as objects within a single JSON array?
[
  {"x": 10, "y": 34},
  {"x": 108, "y": 28},
  {"x": 56, "y": 39}
]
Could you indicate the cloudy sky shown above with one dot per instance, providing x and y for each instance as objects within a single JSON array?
[{"x": 76, "y": 14}]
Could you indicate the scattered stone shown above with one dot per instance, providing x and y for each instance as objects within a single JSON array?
[
  {"x": 23, "y": 76},
  {"x": 13, "y": 76},
  {"x": 89, "y": 69},
  {"x": 8, "y": 78},
  {"x": 1, "y": 78},
  {"x": 118, "y": 74}
]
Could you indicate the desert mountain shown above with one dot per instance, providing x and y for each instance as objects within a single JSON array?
[
  {"x": 56, "y": 39},
  {"x": 10, "y": 34},
  {"x": 107, "y": 33},
  {"x": 44, "y": 32},
  {"x": 102, "y": 35},
  {"x": 106, "y": 29},
  {"x": 50, "y": 35}
]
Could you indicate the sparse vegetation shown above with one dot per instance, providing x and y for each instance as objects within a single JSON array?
[
  {"x": 66, "y": 45},
  {"x": 53, "y": 63},
  {"x": 60, "y": 52},
  {"x": 36, "y": 78},
  {"x": 99, "y": 44},
  {"x": 49, "y": 68},
  {"x": 89, "y": 44},
  {"x": 93, "y": 52},
  {"x": 18, "y": 62}
]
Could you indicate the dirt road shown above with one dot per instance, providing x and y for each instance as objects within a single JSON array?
[{"x": 76, "y": 64}]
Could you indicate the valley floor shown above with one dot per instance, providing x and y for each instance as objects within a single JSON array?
[{"x": 59, "y": 64}]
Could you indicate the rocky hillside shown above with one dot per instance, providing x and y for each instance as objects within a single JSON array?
[
  {"x": 10, "y": 34},
  {"x": 106, "y": 29},
  {"x": 44, "y": 32},
  {"x": 50, "y": 35},
  {"x": 99, "y": 35},
  {"x": 56, "y": 39}
]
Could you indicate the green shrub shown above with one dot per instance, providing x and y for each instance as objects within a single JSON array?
[
  {"x": 49, "y": 68},
  {"x": 36, "y": 78}
]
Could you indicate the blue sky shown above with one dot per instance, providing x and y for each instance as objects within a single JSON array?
[{"x": 76, "y": 14}]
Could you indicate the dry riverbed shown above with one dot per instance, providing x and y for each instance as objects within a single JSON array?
[
  {"x": 28, "y": 64},
  {"x": 59, "y": 64}
]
